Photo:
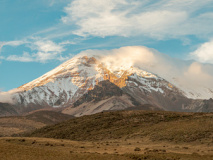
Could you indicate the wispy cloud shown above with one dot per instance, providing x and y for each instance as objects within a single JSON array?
[
  {"x": 42, "y": 51},
  {"x": 12, "y": 43},
  {"x": 163, "y": 19},
  {"x": 67, "y": 42},
  {"x": 26, "y": 57},
  {"x": 47, "y": 46},
  {"x": 156, "y": 19}
]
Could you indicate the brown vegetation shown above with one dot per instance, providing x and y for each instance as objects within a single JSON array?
[
  {"x": 154, "y": 125},
  {"x": 18, "y": 125},
  {"x": 123, "y": 135},
  {"x": 52, "y": 149}
]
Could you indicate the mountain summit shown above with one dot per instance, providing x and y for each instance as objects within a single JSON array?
[{"x": 127, "y": 68}]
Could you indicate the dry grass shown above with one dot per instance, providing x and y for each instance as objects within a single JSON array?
[
  {"x": 154, "y": 125},
  {"x": 45, "y": 149},
  {"x": 17, "y": 125},
  {"x": 122, "y": 135},
  {"x": 52, "y": 149}
]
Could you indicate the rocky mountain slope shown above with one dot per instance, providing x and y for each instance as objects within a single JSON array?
[{"x": 105, "y": 96}]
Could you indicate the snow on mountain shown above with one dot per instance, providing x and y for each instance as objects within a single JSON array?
[{"x": 68, "y": 82}]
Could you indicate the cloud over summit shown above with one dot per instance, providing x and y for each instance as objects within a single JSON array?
[{"x": 187, "y": 75}]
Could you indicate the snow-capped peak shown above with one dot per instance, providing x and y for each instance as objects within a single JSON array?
[{"x": 68, "y": 82}]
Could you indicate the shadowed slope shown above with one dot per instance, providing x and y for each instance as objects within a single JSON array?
[
  {"x": 106, "y": 96},
  {"x": 18, "y": 125},
  {"x": 7, "y": 109}
]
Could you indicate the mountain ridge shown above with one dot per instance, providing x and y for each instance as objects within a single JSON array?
[{"x": 67, "y": 83}]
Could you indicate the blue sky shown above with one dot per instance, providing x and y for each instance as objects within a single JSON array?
[{"x": 36, "y": 36}]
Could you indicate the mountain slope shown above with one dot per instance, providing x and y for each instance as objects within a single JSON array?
[
  {"x": 105, "y": 96},
  {"x": 69, "y": 82},
  {"x": 7, "y": 109}
]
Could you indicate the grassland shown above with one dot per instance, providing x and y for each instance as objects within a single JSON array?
[
  {"x": 154, "y": 125},
  {"x": 120, "y": 135},
  {"x": 55, "y": 149}
]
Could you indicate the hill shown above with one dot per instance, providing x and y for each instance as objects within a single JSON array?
[
  {"x": 20, "y": 124},
  {"x": 152, "y": 125}
]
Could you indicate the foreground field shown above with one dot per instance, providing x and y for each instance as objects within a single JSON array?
[
  {"x": 52, "y": 149},
  {"x": 120, "y": 135}
]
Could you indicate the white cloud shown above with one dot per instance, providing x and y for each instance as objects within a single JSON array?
[
  {"x": 156, "y": 19},
  {"x": 45, "y": 56},
  {"x": 47, "y": 50},
  {"x": 46, "y": 46},
  {"x": 12, "y": 43},
  {"x": 15, "y": 43},
  {"x": 26, "y": 57},
  {"x": 67, "y": 42},
  {"x": 164, "y": 19},
  {"x": 196, "y": 71},
  {"x": 204, "y": 53},
  {"x": 5, "y": 97},
  {"x": 43, "y": 51}
]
